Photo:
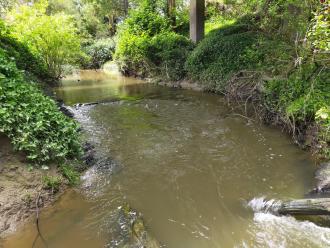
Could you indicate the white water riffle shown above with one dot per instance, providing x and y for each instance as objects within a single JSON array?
[{"x": 274, "y": 231}]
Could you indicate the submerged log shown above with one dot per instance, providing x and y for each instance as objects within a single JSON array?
[{"x": 317, "y": 206}]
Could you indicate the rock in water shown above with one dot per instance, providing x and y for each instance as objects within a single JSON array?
[
  {"x": 323, "y": 177},
  {"x": 132, "y": 231}
]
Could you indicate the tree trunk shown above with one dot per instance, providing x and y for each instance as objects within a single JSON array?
[
  {"x": 197, "y": 20},
  {"x": 171, "y": 11}
]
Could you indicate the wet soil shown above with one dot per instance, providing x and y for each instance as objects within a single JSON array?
[{"x": 20, "y": 186}]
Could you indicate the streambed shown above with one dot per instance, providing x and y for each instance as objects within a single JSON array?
[{"x": 186, "y": 162}]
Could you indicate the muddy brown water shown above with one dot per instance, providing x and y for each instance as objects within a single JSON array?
[{"x": 183, "y": 160}]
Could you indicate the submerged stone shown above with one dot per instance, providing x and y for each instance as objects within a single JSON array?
[{"x": 131, "y": 230}]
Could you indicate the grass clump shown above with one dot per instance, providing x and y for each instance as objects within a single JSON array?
[
  {"x": 69, "y": 172},
  {"x": 52, "y": 183}
]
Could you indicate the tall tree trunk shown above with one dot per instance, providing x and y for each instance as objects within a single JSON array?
[
  {"x": 197, "y": 20},
  {"x": 171, "y": 11}
]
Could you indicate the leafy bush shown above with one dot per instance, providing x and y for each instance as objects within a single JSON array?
[
  {"x": 319, "y": 33},
  {"x": 148, "y": 47},
  {"x": 301, "y": 95},
  {"x": 229, "y": 50},
  {"x": 99, "y": 53},
  {"x": 168, "y": 52},
  {"x": 302, "y": 100},
  {"x": 24, "y": 59},
  {"x": 53, "y": 38},
  {"x": 284, "y": 18},
  {"x": 32, "y": 120},
  {"x": 134, "y": 37},
  {"x": 145, "y": 21},
  {"x": 131, "y": 55}
]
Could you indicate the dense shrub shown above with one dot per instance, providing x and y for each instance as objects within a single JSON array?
[
  {"x": 99, "y": 52},
  {"x": 145, "y": 21},
  {"x": 229, "y": 50},
  {"x": 133, "y": 39},
  {"x": 319, "y": 33},
  {"x": 52, "y": 38},
  {"x": 301, "y": 95},
  {"x": 168, "y": 52},
  {"x": 148, "y": 47},
  {"x": 302, "y": 100},
  {"x": 32, "y": 120},
  {"x": 24, "y": 59}
]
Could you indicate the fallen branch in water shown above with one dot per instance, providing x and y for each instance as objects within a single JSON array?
[
  {"x": 310, "y": 206},
  {"x": 317, "y": 206}
]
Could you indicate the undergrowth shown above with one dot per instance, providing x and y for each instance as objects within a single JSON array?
[
  {"x": 32, "y": 120},
  {"x": 148, "y": 46}
]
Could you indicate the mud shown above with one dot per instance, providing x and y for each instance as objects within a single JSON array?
[{"x": 20, "y": 186}]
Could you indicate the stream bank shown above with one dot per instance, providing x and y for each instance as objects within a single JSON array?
[{"x": 19, "y": 189}]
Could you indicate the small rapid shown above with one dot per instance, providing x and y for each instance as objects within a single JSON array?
[{"x": 261, "y": 205}]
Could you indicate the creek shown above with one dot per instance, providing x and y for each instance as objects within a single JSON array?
[{"x": 186, "y": 162}]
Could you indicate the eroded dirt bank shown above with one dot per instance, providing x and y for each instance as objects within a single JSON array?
[{"x": 20, "y": 188}]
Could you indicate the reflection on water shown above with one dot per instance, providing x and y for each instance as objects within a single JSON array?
[
  {"x": 90, "y": 85},
  {"x": 186, "y": 163}
]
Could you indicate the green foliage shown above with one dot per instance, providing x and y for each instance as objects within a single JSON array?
[
  {"x": 131, "y": 55},
  {"x": 19, "y": 52},
  {"x": 284, "y": 18},
  {"x": 322, "y": 117},
  {"x": 52, "y": 183},
  {"x": 70, "y": 174},
  {"x": 182, "y": 22},
  {"x": 168, "y": 52},
  {"x": 134, "y": 37},
  {"x": 99, "y": 53},
  {"x": 52, "y": 38},
  {"x": 227, "y": 51},
  {"x": 147, "y": 46},
  {"x": 145, "y": 21},
  {"x": 88, "y": 16},
  {"x": 32, "y": 120},
  {"x": 319, "y": 34},
  {"x": 301, "y": 95},
  {"x": 302, "y": 99}
]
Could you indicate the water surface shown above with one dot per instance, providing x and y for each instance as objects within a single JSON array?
[{"x": 183, "y": 160}]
